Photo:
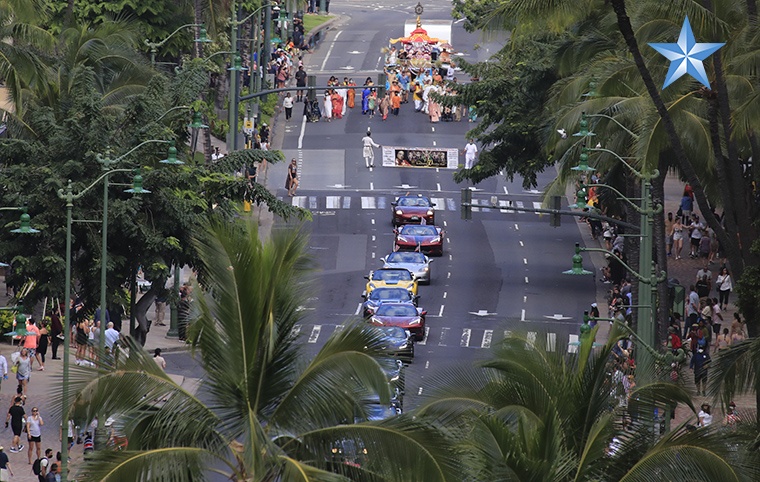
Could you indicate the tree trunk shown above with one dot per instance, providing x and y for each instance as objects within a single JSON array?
[
  {"x": 730, "y": 244},
  {"x": 661, "y": 253}
]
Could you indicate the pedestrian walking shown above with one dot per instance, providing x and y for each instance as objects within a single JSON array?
[
  {"x": 42, "y": 346},
  {"x": 291, "y": 181},
  {"x": 367, "y": 150},
  {"x": 15, "y": 417},
  {"x": 5, "y": 466},
  {"x": 34, "y": 425},
  {"x": 160, "y": 361},
  {"x": 327, "y": 106},
  {"x": 23, "y": 370},
  {"x": 287, "y": 103},
  {"x": 56, "y": 330},
  {"x": 31, "y": 340},
  {"x": 160, "y": 308},
  {"x": 676, "y": 231},
  {"x": 470, "y": 153},
  {"x": 300, "y": 82},
  {"x": 704, "y": 416},
  {"x": 699, "y": 364},
  {"x": 725, "y": 285},
  {"x": 3, "y": 368},
  {"x": 82, "y": 335}
]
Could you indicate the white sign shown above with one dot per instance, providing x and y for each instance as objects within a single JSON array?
[
  {"x": 248, "y": 126},
  {"x": 440, "y": 158}
]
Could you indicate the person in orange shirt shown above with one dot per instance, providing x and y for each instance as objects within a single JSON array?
[
  {"x": 31, "y": 340},
  {"x": 395, "y": 103}
]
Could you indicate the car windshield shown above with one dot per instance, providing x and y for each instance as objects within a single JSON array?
[
  {"x": 419, "y": 230},
  {"x": 393, "y": 332},
  {"x": 391, "y": 275},
  {"x": 396, "y": 310},
  {"x": 384, "y": 294},
  {"x": 409, "y": 257},
  {"x": 414, "y": 201}
]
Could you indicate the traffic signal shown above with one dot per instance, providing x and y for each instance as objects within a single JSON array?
[
  {"x": 555, "y": 218},
  {"x": 466, "y": 204},
  {"x": 382, "y": 79},
  {"x": 311, "y": 81}
]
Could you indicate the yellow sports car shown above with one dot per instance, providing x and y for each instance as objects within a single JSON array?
[{"x": 391, "y": 277}]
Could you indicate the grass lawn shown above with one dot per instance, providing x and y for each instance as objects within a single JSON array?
[{"x": 312, "y": 21}]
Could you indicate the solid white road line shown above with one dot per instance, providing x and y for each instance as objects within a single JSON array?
[
  {"x": 465, "y": 341},
  {"x": 329, "y": 51},
  {"x": 315, "y": 333},
  {"x": 303, "y": 131},
  {"x": 522, "y": 315},
  {"x": 358, "y": 309}
]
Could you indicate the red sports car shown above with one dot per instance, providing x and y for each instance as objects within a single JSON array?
[
  {"x": 424, "y": 238},
  {"x": 412, "y": 210},
  {"x": 402, "y": 315}
]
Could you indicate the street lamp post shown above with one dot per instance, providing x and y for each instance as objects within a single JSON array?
[{"x": 154, "y": 46}]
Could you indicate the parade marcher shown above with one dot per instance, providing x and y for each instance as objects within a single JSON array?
[
  {"x": 368, "y": 145},
  {"x": 327, "y": 112},
  {"x": 384, "y": 107},
  {"x": 56, "y": 331},
  {"x": 16, "y": 419},
  {"x": 287, "y": 103},
  {"x": 300, "y": 82},
  {"x": 351, "y": 94},
  {"x": 470, "y": 153}
]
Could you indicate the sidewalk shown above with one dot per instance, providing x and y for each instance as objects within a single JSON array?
[{"x": 684, "y": 270}]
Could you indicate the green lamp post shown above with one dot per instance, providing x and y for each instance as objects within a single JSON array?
[{"x": 154, "y": 46}]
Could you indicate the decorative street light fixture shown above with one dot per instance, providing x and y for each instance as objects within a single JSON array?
[
  {"x": 69, "y": 196},
  {"x": 154, "y": 46}
]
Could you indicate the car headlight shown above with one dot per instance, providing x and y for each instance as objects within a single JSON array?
[
  {"x": 401, "y": 238},
  {"x": 436, "y": 240},
  {"x": 399, "y": 212},
  {"x": 376, "y": 320},
  {"x": 415, "y": 321},
  {"x": 403, "y": 347},
  {"x": 425, "y": 269},
  {"x": 430, "y": 212}
]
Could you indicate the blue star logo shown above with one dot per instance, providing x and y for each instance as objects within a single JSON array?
[{"x": 686, "y": 56}]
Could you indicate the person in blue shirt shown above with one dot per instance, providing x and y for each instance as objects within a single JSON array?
[{"x": 687, "y": 205}]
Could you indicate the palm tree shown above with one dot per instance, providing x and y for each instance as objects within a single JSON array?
[
  {"x": 527, "y": 414},
  {"x": 263, "y": 412}
]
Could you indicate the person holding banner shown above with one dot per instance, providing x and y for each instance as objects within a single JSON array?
[{"x": 369, "y": 153}]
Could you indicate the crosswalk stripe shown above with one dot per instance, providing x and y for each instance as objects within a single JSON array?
[
  {"x": 424, "y": 340},
  {"x": 444, "y": 332},
  {"x": 487, "y": 337},
  {"x": 507, "y": 333},
  {"x": 368, "y": 202},
  {"x": 339, "y": 328},
  {"x": 313, "y": 203},
  {"x": 316, "y": 329},
  {"x": 572, "y": 345},
  {"x": 451, "y": 205},
  {"x": 536, "y": 205},
  {"x": 346, "y": 202},
  {"x": 551, "y": 342},
  {"x": 531, "y": 339},
  {"x": 505, "y": 204},
  {"x": 519, "y": 204},
  {"x": 439, "y": 202},
  {"x": 333, "y": 202},
  {"x": 466, "y": 337},
  {"x": 299, "y": 201},
  {"x": 382, "y": 202}
]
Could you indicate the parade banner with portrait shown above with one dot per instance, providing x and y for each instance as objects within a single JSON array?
[{"x": 420, "y": 157}]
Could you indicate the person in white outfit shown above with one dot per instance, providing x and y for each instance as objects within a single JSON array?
[
  {"x": 327, "y": 103},
  {"x": 369, "y": 154},
  {"x": 470, "y": 153}
]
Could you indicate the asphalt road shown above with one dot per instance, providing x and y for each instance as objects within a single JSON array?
[{"x": 500, "y": 272}]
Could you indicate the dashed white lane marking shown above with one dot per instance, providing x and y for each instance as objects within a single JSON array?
[
  {"x": 439, "y": 185},
  {"x": 531, "y": 339},
  {"x": 373, "y": 255},
  {"x": 315, "y": 333},
  {"x": 505, "y": 190},
  {"x": 526, "y": 279},
  {"x": 440, "y": 312},
  {"x": 450, "y": 258},
  {"x": 419, "y": 392},
  {"x": 373, "y": 221},
  {"x": 374, "y": 237},
  {"x": 427, "y": 364},
  {"x": 433, "y": 129},
  {"x": 525, "y": 299},
  {"x": 517, "y": 228},
  {"x": 329, "y": 51},
  {"x": 425, "y": 339},
  {"x": 465, "y": 341},
  {"x": 572, "y": 345},
  {"x": 522, "y": 244},
  {"x": 551, "y": 342},
  {"x": 522, "y": 315},
  {"x": 445, "y": 224},
  {"x": 434, "y": 144},
  {"x": 358, "y": 309},
  {"x": 487, "y": 337},
  {"x": 525, "y": 260},
  {"x": 444, "y": 294},
  {"x": 368, "y": 202},
  {"x": 448, "y": 275}
]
